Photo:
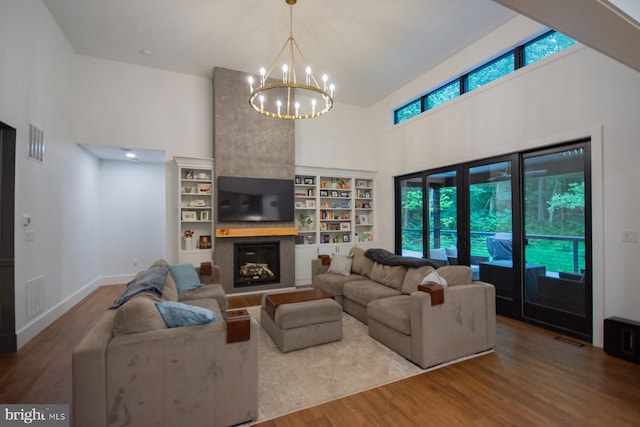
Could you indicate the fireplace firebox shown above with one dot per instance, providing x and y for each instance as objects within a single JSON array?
[{"x": 256, "y": 263}]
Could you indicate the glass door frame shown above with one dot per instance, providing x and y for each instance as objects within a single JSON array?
[
  {"x": 511, "y": 307},
  {"x": 578, "y": 326}
]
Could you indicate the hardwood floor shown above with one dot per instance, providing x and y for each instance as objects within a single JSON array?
[{"x": 532, "y": 379}]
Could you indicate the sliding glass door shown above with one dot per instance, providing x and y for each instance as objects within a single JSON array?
[
  {"x": 492, "y": 202},
  {"x": 431, "y": 232},
  {"x": 556, "y": 195},
  {"x": 520, "y": 221}
]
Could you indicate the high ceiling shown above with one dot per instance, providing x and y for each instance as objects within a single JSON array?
[{"x": 369, "y": 48}]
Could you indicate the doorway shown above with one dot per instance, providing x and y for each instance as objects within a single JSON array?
[{"x": 8, "y": 338}]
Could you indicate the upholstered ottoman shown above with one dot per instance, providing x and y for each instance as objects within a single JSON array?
[{"x": 297, "y": 325}]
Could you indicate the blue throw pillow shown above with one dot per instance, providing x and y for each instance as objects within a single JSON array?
[
  {"x": 176, "y": 314},
  {"x": 185, "y": 276}
]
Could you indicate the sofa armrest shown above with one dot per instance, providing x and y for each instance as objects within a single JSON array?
[
  {"x": 208, "y": 279},
  {"x": 463, "y": 325},
  {"x": 184, "y": 376},
  {"x": 89, "y": 370},
  {"x": 317, "y": 267}
]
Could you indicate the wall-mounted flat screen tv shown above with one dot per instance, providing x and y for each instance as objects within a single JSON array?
[{"x": 254, "y": 199}]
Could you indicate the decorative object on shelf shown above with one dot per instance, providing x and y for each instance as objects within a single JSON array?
[
  {"x": 188, "y": 188},
  {"x": 304, "y": 220},
  {"x": 202, "y": 176},
  {"x": 198, "y": 203},
  {"x": 205, "y": 242},
  {"x": 188, "y": 174},
  {"x": 188, "y": 240},
  {"x": 309, "y": 181},
  {"x": 274, "y": 99},
  {"x": 189, "y": 216},
  {"x": 204, "y": 216},
  {"x": 298, "y": 180},
  {"x": 310, "y": 204},
  {"x": 204, "y": 188}
]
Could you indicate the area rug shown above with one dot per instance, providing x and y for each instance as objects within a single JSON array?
[
  {"x": 289, "y": 382},
  {"x": 299, "y": 379}
]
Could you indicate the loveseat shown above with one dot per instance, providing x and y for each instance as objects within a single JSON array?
[
  {"x": 131, "y": 369},
  {"x": 386, "y": 297}
]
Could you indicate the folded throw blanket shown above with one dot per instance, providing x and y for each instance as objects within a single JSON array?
[
  {"x": 385, "y": 257},
  {"x": 151, "y": 281}
]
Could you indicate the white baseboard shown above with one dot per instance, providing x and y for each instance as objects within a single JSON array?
[{"x": 39, "y": 324}]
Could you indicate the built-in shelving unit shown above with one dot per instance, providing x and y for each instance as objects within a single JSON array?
[
  {"x": 334, "y": 211},
  {"x": 195, "y": 209}
]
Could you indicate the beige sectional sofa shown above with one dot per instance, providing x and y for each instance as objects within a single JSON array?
[
  {"x": 131, "y": 369},
  {"x": 386, "y": 297}
]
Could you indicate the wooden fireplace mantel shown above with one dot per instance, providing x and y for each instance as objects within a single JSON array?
[{"x": 256, "y": 232}]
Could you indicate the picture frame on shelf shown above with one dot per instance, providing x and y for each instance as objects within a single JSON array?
[
  {"x": 364, "y": 219},
  {"x": 311, "y": 239},
  {"x": 309, "y": 181},
  {"x": 323, "y": 226},
  {"x": 334, "y": 193},
  {"x": 204, "y": 216},
  {"x": 310, "y": 204},
  {"x": 361, "y": 183},
  {"x": 205, "y": 242},
  {"x": 344, "y": 194},
  {"x": 324, "y": 193},
  {"x": 299, "y": 205},
  {"x": 367, "y": 194},
  {"x": 345, "y": 226},
  {"x": 204, "y": 188},
  {"x": 345, "y": 238},
  {"x": 298, "y": 180},
  {"x": 189, "y": 216}
]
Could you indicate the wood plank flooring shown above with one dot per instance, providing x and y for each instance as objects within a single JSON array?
[{"x": 532, "y": 379}]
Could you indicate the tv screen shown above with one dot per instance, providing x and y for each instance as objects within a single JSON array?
[{"x": 254, "y": 199}]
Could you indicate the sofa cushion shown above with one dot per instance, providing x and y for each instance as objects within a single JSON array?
[
  {"x": 388, "y": 275},
  {"x": 361, "y": 264},
  {"x": 393, "y": 312},
  {"x": 170, "y": 290},
  {"x": 176, "y": 314},
  {"x": 333, "y": 283},
  {"x": 456, "y": 274},
  {"x": 340, "y": 264},
  {"x": 186, "y": 276},
  {"x": 137, "y": 315},
  {"x": 413, "y": 278},
  {"x": 213, "y": 291},
  {"x": 365, "y": 291}
]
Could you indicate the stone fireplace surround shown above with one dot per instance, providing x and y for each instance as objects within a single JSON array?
[{"x": 248, "y": 144}]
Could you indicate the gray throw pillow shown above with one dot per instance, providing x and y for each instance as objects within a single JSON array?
[{"x": 340, "y": 264}]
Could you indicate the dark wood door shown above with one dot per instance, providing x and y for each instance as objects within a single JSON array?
[{"x": 8, "y": 339}]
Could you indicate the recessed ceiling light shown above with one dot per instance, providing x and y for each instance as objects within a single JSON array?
[{"x": 131, "y": 155}]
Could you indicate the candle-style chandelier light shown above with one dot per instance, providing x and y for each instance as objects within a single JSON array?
[{"x": 288, "y": 99}]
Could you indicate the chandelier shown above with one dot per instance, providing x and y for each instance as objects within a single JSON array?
[{"x": 288, "y": 99}]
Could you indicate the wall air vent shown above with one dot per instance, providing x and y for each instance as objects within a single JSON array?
[{"x": 35, "y": 149}]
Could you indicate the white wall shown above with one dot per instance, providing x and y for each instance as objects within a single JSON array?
[
  {"x": 132, "y": 219},
  {"x": 35, "y": 82},
  {"x": 123, "y": 105},
  {"x": 578, "y": 92}
]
